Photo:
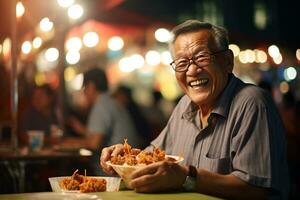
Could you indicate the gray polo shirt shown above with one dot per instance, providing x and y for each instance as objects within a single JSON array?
[{"x": 244, "y": 137}]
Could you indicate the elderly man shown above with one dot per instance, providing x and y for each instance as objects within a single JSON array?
[{"x": 229, "y": 132}]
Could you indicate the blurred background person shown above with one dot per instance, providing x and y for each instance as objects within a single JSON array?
[
  {"x": 41, "y": 114},
  {"x": 108, "y": 122},
  {"x": 123, "y": 95},
  {"x": 156, "y": 117},
  {"x": 289, "y": 111}
]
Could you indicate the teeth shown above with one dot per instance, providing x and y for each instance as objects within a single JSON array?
[{"x": 198, "y": 82}]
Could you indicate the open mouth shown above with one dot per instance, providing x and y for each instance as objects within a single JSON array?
[{"x": 198, "y": 83}]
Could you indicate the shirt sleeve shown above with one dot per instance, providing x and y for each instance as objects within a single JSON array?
[{"x": 251, "y": 145}]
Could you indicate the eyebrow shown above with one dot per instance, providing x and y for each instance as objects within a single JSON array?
[{"x": 196, "y": 51}]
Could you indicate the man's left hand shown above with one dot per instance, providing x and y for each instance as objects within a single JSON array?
[{"x": 160, "y": 176}]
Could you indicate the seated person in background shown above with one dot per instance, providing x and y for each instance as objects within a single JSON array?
[
  {"x": 108, "y": 122},
  {"x": 41, "y": 114},
  {"x": 123, "y": 95},
  {"x": 229, "y": 133}
]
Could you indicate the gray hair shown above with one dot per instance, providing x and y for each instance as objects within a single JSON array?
[{"x": 220, "y": 34}]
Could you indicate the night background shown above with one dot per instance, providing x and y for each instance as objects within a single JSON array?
[{"x": 264, "y": 35}]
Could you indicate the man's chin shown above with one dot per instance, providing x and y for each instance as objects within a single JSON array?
[{"x": 199, "y": 100}]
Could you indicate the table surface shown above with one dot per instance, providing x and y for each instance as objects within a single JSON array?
[
  {"x": 124, "y": 195},
  {"x": 46, "y": 153}
]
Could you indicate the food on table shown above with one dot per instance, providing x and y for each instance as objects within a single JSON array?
[{"x": 83, "y": 183}]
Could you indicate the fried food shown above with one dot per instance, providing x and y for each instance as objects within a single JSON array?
[
  {"x": 132, "y": 156},
  {"x": 83, "y": 183}
]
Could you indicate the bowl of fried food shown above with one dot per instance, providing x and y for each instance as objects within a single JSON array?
[
  {"x": 84, "y": 184},
  {"x": 132, "y": 159}
]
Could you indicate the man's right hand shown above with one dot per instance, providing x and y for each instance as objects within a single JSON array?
[{"x": 106, "y": 155}]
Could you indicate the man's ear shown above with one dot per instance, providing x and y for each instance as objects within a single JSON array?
[{"x": 230, "y": 60}]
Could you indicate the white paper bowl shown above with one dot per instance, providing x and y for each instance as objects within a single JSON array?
[
  {"x": 125, "y": 171},
  {"x": 112, "y": 185}
]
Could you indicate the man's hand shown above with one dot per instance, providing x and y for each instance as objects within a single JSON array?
[
  {"x": 106, "y": 154},
  {"x": 160, "y": 176}
]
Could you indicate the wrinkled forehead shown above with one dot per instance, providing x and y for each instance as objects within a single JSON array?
[{"x": 201, "y": 40}]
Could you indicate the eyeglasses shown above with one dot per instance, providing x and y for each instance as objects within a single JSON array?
[{"x": 200, "y": 59}]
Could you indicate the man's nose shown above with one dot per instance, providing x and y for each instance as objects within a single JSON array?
[{"x": 193, "y": 68}]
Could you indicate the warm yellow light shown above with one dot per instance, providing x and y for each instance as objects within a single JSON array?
[
  {"x": 40, "y": 79},
  {"x": 65, "y": 3},
  {"x": 298, "y": 54},
  {"x": 235, "y": 49},
  {"x": 20, "y": 9},
  {"x": 166, "y": 57},
  {"x": 90, "y": 39},
  {"x": 137, "y": 61},
  {"x": 75, "y": 11},
  {"x": 162, "y": 35},
  {"x": 260, "y": 56},
  {"x": 115, "y": 43},
  {"x": 273, "y": 51},
  {"x": 250, "y": 55},
  {"x": 46, "y": 25},
  {"x": 73, "y": 57},
  {"x": 26, "y": 47},
  {"x": 77, "y": 82},
  {"x": 37, "y": 42},
  {"x": 125, "y": 65},
  {"x": 277, "y": 60},
  {"x": 6, "y": 46},
  {"x": 152, "y": 57},
  {"x": 74, "y": 44},
  {"x": 70, "y": 73},
  {"x": 284, "y": 87},
  {"x": 52, "y": 54}
]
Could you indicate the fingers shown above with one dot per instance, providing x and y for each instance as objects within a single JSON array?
[
  {"x": 151, "y": 187},
  {"x": 117, "y": 149},
  {"x": 156, "y": 177},
  {"x": 144, "y": 183},
  {"x": 106, "y": 154},
  {"x": 149, "y": 169}
]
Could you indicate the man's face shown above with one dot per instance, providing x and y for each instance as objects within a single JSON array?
[{"x": 202, "y": 85}]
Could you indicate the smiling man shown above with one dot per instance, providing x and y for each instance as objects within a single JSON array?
[{"x": 229, "y": 132}]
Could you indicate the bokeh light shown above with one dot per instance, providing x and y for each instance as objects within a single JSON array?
[
  {"x": 20, "y": 9},
  {"x": 37, "y": 42},
  {"x": 26, "y": 47},
  {"x": 115, "y": 43},
  {"x": 65, "y": 3},
  {"x": 75, "y": 11},
  {"x": 235, "y": 49},
  {"x": 51, "y": 54},
  {"x": 152, "y": 57},
  {"x": 72, "y": 57},
  {"x": 46, "y": 25},
  {"x": 90, "y": 39},
  {"x": 284, "y": 87},
  {"x": 73, "y": 44},
  {"x": 290, "y": 73},
  {"x": 162, "y": 35},
  {"x": 166, "y": 57},
  {"x": 298, "y": 54},
  {"x": 273, "y": 51}
]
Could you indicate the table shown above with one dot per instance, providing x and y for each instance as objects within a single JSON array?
[
  {"x": 122, "y": 195},
  {"x": 16, "y": 161}
]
